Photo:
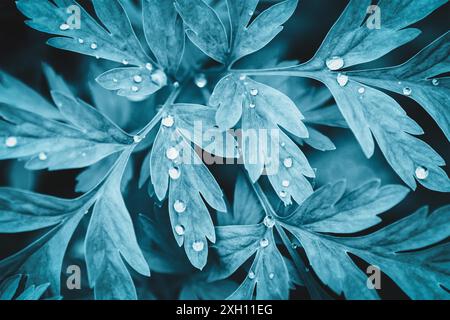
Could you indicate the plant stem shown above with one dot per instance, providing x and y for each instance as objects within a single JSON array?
[{"x": 314, "y": 289}]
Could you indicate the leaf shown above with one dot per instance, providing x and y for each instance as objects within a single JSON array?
[
  {"x": 173, "y": 159},
  {"x": 114, "y": 40},
  {"x": 164, "y": 32},
  {"x": 370, "y": 112},
  {"x": 418, "y": 75},
  {"x": 87, "y": 137},
  {"x": 399, "y": 249},
  {"x": 15, "y": 93},
  {"x": 247, "y": 39},
  {"x": 9, "y": 287},
  {"x": 205, "y": 29},
  {"x": 110, "y": 230},
  {"x": 265, "y": 111}
]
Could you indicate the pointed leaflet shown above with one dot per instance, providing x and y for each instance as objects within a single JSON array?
[
  {"x": 247, "y": 39},
  {"x": 17, "y": 94},
  {"x": 366, "y": 110},
  {"x": 420, "y": 273},
  {"x": 206, "y": 30},
  {"x": 24, "y": 211},
  {"x": 265, "y": 111},
  {"x": 110, "y": 238},
  {"x": 173, "y": 159},
  {"x": 86, "y": 139},
  {"x": 418, "y": 74},
  {"x": 164, "y": 33},
  {"x": 79, "y": 32}
]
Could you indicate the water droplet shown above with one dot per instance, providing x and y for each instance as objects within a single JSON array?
[
  {"x": 84, "y": 154},
  {"x": 242, "y": 77},
  {"x": 342, "y": 79},
  {"x": 200, "y": 80},
  {"x": 294, "y": 245},
  {"x": 159, "y": 77},
  {"x": 172, "y": 153},
  {"x": 179, "y": 206},
  {"x": 149, "y": 66},
  {"x": 176, "y": 84},
  {"x": 137, "y": 138},
  {"x": 80, "y": 41},
  {"x": 288, "y": 162},
  {"x": 264, "y": 243},
  {"x": 283, "y": 194},
  {"x": 115, "y": 80},
  {"x": 179, "y": 229},
  {"x": 254, "y": 92},
  {"x": 421, "y": 173},
  {"x": 251, "y": 275},
  {"x": 134, "y": 88},
  {"x": 252, "y": 105},
  {"x": 271, "y": 275},
  {"x": 125, "y": 62},
  {"x": 174, "y": 173},
  {"x": 198, "y": 246},
  {"x": 283, "y": 144},
  {"x": 168, "y": 121},
  {"x": 407, "y": 91},
  {"x": 64, "y": 27},
  {"x": 11, "y": 142},
  {"x": 42, "y": 156},
  {"x": 334, "y": 63},
  {"x": 435, "y": 82},
  {"x": 285, "y": 183},
  {"x": 250, "y": 12},
  {"x": 361, "y": 90},
  {"x": 137, "y": 78},
  {"x": 269, "y": 222},
  {"x": 94, "y": 46}
]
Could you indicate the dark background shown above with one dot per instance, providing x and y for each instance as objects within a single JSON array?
[{"x": 23, "y": 50}]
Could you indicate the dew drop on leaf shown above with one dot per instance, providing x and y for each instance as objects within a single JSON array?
[
  {"x": 168, "y": 121},
  {"x": 179, "y": 206},
  {"x": 287, "y": 162},
  {"x": 149, "y": 66},
  {"x": 435, "y": 82},
  {"x": 198, "y": 246},
  {"x": 80, "y": 41},
  {"x": 137, "y": 78},
  {"x": 11, "y": 142},
  {"x": 407, "y": 91},
  {"x": 254, "y": 92},
  {"x": 283, "y": 194},
  {"x": 172, "y": 153},
  {"x": 64, "y": 27},
  {"x": 251, "y": 275},
  {"x": 179, "y": 229},
  {"x": 42, "y": 156},
  {"x": 94, "y": 46},
  {"x": 334, "y": 63},
  {"x": 271, "y": 275},
  {"x": 137, "y": 138},
  {"x": 200, "y": 80},
  {"x": 269, "y": 222},
  {"x": 174, "y": 173},
  {"x": 421, "y": 173},
  {"x": 125, "y": 62},
  {"x": 342, "y": 79},
  {"x": 264, "y": 243},
  {"x": 134, "y": 88},
  {"x": 159, "y": 77},
  {"x": 361, "y": 90},
  {"x": 285, "y": 183},
  {"x": 252, "y": 105}
]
